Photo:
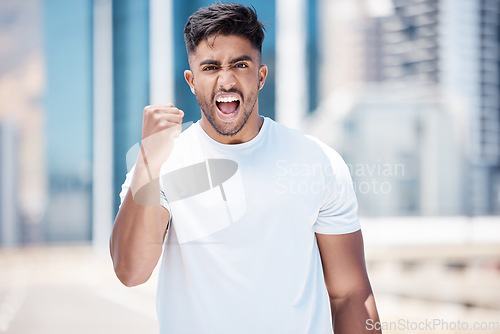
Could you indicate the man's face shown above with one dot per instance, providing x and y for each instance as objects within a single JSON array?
[{"x": 226, "y": 76}]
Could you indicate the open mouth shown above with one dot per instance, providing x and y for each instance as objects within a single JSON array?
[{"x": 228, "y": 106}]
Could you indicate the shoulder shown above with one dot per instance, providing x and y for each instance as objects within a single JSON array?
[
  {"x": 330, "y": 153},
  {"x": 292, "y": 137},
  {"x": 307, "y": 145}
]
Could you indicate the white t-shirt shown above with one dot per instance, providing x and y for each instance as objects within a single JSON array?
[{"x": 240, "y": 255}]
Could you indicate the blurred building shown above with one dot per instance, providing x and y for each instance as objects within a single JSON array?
[
  {"x": 68, "y": 45},
  {"x": 403, "y": 148},
  {"x": 10, "y": 227},
  {"x": 23, "y": 181},
  {"x": 449, "y": 48},
  {"x": 455, "y": 44}
]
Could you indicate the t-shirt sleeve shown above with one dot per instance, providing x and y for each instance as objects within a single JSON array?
[
  {"x": 339, "y": 206},
  {"x": 126, "y": 186}
]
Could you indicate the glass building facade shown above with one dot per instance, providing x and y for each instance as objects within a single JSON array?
[
  {"x": 130, "y": 21},
  {"x": 68, "y": 104}
]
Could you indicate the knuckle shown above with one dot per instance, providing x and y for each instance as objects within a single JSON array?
[
  {"x": 163, "y": 123},
  {"x": 151, "y": 111},
  {"x": 156, "y": 117}
]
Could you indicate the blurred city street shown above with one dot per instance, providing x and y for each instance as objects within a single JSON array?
[
  {"x": 435, "y": 288},
  {"x": 69, "y": 289}
]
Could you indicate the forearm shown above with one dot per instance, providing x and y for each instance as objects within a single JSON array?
[
  {"x": 355, "y": 313},
  {"x": 139, "y": 229}
]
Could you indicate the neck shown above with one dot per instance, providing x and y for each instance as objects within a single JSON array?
[{"x": 247, "y": 133}]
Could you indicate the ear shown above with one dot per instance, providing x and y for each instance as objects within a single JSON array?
[
  {"x": 262, "y": 75},
  {"x": 188, "y": 75}
]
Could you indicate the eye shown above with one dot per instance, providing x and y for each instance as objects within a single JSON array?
[
  {"x": 209, "y": 68},
  {"x": 241, "y": 65}
]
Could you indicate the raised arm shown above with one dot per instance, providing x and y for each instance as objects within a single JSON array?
[
  {"x": 141, "y": 223},
  {"x": 351, "y": 298}
]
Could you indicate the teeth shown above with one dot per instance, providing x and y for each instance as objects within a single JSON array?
[{"x": 227, "y": 99}]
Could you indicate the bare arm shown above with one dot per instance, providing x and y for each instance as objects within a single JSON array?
[
  {"x": 137, "y": 238},
  {"x": 351, "y": 298},
  {"x": 141, "y": 223}
]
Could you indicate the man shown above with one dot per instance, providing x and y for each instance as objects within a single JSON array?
[{"x": 257, "y": 222}]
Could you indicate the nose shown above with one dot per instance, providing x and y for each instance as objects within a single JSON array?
[{"x": 226, "y": 79}]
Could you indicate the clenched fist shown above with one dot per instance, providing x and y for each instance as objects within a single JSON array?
[{"x": 161, "y": 124}]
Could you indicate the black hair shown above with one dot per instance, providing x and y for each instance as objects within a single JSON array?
[{"x": 223, "y": 19}]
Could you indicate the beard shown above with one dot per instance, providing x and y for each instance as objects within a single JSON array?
[{"x": 228, "y": 128}]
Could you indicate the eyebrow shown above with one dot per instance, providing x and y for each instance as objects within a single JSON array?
[{"x": 234, "y": 61}]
